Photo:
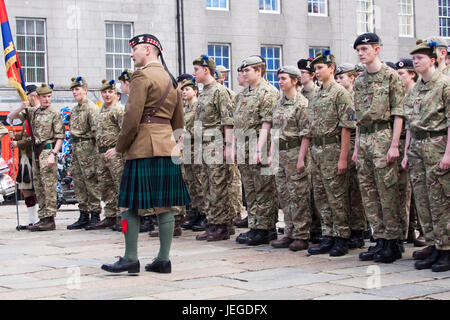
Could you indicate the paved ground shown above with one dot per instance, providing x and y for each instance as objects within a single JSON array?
[{"x": 65, "y": 264}]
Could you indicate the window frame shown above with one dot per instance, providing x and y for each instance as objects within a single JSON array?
[
  {"x": 218, "y": 8},
  {"x": 312, "y": 14},
  {"x": 444, "y": 17},
  {"x": 280, "y": 47},
  {"x": 316, "y": 49},
  {"x": 114, "y": 68},
  {"x": 45, "y": 52},
  {"x": 278, "y": 11},
  {"x": 228, "y": 45},
  {"x": 412, "y": 15},
  {"x": 372, "y": 13}
]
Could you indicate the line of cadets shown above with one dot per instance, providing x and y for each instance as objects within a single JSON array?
[{"x": 333, "y": 165}]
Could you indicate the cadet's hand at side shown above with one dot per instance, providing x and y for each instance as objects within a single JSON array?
[
  {"x": 392, "y": 155},
  {"x": 111, "y": 153},
  {"x": 445, "y": 162}
]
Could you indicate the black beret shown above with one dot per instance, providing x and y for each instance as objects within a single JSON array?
[
  {"x": 405, "y": 64},
  {"x": 391, "y": 65},
  {"x": 31, "y": 88},
  {"x": 146, "y": 38},
  {"x": 184, "y": 76},
  {"x": 305, "y": 64},
  {"x": 366, "y": 38}
]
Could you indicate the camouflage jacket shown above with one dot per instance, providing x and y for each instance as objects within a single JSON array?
[
  {"x": 109, "y": 123},
  {"x": 255, "y": 106},
  {"x": 83, "y": 119},
  {"x": 329, "y": 110},
  {"x": 308, "y": 94},
  {"x": 214, "y": 107},
  {"x": 379, "y": 96},
  {"x": 446, "y": 71},
  {"x": 46, "y": 123},
  {"x": 427, "y": 105},
  {"x": 189, "y": 117},
  {"x": 290, "y": 117}
]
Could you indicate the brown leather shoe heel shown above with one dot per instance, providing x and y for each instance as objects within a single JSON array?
[{"x": 299, "y": 245}]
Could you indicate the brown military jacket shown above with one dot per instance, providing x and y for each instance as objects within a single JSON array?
[{"x": 137, "y": 140}]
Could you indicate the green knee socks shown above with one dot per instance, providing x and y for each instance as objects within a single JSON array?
[
  {"x": 166, "y": 224},
  {"x": 131, "y": 233}
]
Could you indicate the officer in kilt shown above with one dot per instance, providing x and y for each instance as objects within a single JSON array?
[{"x": 152, "y": 175}]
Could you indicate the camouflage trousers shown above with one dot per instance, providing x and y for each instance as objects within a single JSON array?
[
  {"x": 235, "y": 191},
  {"x": 404, "y": 192},
  {"x": 316, "y": 227},
  {"x": 215, "y": 191},
  {"x": 431, "y": 188},
  {"x": 45, "y": 180},
  {"x": 357, "y": 218},
  {"x": 194, "y": 177},
  {"x": 83, "y": 170},
  {"x": 294, "y": 195},
  {"x": 378, "y": 181},
  {"x": 261, "y": 196},
  {"x": 330, "y": 191},
  {"x": 109, "y": 174}
]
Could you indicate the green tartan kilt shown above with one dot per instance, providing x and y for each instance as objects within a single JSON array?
[{"x": 152, "y": 183}]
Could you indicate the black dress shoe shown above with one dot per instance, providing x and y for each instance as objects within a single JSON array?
[
  {"x": 122, "y": 265},
  {"x": 368, "y": 255},
  {"x": 389, "y": 253},
  {"x": 324, "y": 246},
  {"x": 340, "y": 247},
  {"x": 258, "y": 237},
  {"x": 159, "y": 266},
  {"x": 428, "y": 262},
  {"x": 443, "y": 263}
]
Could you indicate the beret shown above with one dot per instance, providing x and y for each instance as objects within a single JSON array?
[
  {"x": 78, "y": 82},
  {"x": 205, "y": 61},
  {"x": 187, "y": 83},
  {"x": 111, "y": 84},
  {"x": 291, "y": 70},
  {"x": 31, "y": 88},
  {"x": 44, "y": 89},
  {"x": 344, "y": 68},
  {"x": 391, "y": 65},
  {"x": 366, "y": 38},
  {"x": 184, "y": 76},
  {"x": 441, "y": 42},
  {"x": 405, "y": 64},
  {"x": 222, "y": 69},
  {"x": 146, "y": 38},
  {"x": 428, "y": 48},
  {"x": 126, "y": 75},
  {"x": 252, "y": 60},
  {"x": 305, "y": 64},
  {"x": 323, "y": 57}
]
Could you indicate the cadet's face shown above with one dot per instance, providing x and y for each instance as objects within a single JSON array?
[
  {"x": 188, "y": 93},
  {"x": 306, "y": 77},
  {"x": 79, "y": 93},
  {"x": 139, "y": 54},
  {"x": 405, "y": 76},
  {"x": 109, "y": 96},
  {"x": 45, "y": 99},
  {"x": 125, "y": 86},
  {"x": 200, "y": 73},
  {"x": 251, "y": 75},
  {"x": 240, "y": 79},
  {"x": 367, "y": 53},
  {"x": 323, "y": 72},
  {"x": 344, "y": 80},
  {"x": 422, "y": 62},
  {"x": 285, "y": 82}
]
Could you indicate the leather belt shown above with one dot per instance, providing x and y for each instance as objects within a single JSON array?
[
  {"x": 80, "y": 139},
  {"x": 322, "y": 141},
  {"x": 149, "y": 119},
  {"x": 287, "y": 145},
  {"x": 374, "y": 127},
  {"x": 422, "y": 135}
]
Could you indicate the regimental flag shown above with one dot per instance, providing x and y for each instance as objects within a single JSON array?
[{"x": 13, "y": 68}]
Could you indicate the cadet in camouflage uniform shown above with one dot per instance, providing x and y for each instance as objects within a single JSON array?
[
  {"x": 441, "y": 53},
  {"x": 345, "y": 75},
  {"x": 83, "y": 123},
  {"x": 379, "y": 94},
  {"x": 427, "y": 108},
  {"x": 47, "y": 126},
  {"x": 309, "y": 88},
  {"x": 292, "y": 177},
  {"x": 215, "y": 111},
  {"x": 331, "y": 115},
  {"x": 253, "y": 121},
  {"x": 109, "y": 171}
]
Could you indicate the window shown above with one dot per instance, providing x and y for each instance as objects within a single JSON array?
[
  {"x": 406, "y": 18},
  {"x": 118, "y": 50},
  {"x": 217, "y": 4},
  {"x": 32, "y": 49},
  {"x": 444, "y": 18},
  {"x": 221, "y": 55},
  {"x": 273, "y": 63},
  {"x": 318, "y": 7},
  {"x": 364, "y": 16},
  {"x": 269, "y": 6},
  {"x": 313, "y": 51}
]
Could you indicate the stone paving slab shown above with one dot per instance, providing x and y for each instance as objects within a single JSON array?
[
  {"x": 354, "y": 296},
  {"x": 404, "y": 291}
]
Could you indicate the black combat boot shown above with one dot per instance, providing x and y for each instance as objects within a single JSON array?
[
  {"x": 243, "y": 237},
  {"x": 428, "y": 262},
  {"x": 443, "y": 263},
  {"x": 259, "y": 236},
  {"x": 356, "y": 240},
  {"x": 390, "y": 252},
  {"x": 201, "y": 224},
  {"x": 340, "y": 247},
  {"x": 95, "y": 219},
  {"x": 83, "y": 221},
  {"x": 146, "y": 224},
  {"x": 324, "y": 247},
  {"x": 368, "y": 255}
]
